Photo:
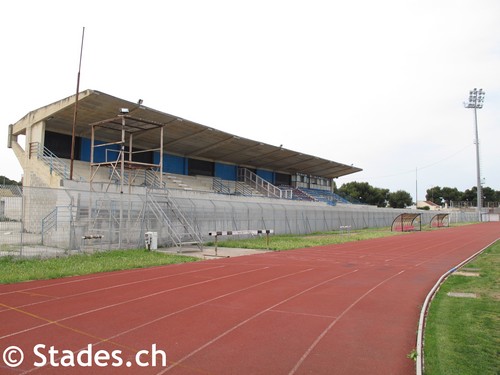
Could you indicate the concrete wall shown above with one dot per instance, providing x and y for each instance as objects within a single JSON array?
[{"x": 11, "y": 208}]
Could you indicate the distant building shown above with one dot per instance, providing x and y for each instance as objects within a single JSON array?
[{"x": 432, "y": 206}]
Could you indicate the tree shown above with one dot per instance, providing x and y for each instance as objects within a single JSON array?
[
  {"x": 365, "y": 193},
  {"x": 446, "y": 194},
  {"x": 451, "y": 194},
  {"x": 434, "y": 195},
  {"x": 470, "y": 195},
  {"x": 400, "y": 199},
  {"x": 490, "y": 195},
  {"x": 335, "y": 188},
  {"x": 6, "y": 181}
]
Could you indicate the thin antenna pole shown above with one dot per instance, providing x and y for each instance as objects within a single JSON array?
[
  {"x": 416, "y": 187},
  {"x": 76, "y": 110}
]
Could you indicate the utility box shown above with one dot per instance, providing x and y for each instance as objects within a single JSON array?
[{"x": 151, "y": 240}]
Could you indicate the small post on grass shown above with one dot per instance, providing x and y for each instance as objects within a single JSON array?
[
  {"x": 216, "y": 236},
  {"x": 267, "y": 239}
]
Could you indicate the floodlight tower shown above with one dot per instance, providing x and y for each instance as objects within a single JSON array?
[{"x": 476, "y": 100}]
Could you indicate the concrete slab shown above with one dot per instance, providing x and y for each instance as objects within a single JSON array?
[
  {"x": 462, "y": 295},
  {"x": 464, "y": 273},
  {"x": 209, "y": 252}
]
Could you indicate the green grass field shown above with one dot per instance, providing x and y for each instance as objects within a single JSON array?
[
  {"x": 299, "y": 241},
  {"x": 462, "y": 335},
  {"x": 23, "y": 269},
  {"x": 15, "y": 270}
]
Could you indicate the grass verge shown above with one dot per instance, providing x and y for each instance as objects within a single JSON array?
[
  {"x": 15, "y": 269},
  {"x": 295, "y": 241},
  {"x": 23, "y": 269},
  {"x": 462, "y": 335}
]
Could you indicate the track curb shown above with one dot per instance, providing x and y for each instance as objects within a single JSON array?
[{"x": 425, "y": 307}]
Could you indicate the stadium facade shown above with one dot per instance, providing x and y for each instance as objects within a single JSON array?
[{"x": 103, "y": 171}]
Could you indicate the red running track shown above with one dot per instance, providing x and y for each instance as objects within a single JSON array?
[{"x": 340, "y": 309}]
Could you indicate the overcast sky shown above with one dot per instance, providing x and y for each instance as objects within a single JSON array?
[{"x": 377, "y": 84}]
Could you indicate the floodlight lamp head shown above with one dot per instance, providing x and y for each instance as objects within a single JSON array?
[
  {"x": 476, "y": 99},
  {"x": 124, "y": 111}
]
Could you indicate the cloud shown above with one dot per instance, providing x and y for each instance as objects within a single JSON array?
[{"x": 376, "y": 84}]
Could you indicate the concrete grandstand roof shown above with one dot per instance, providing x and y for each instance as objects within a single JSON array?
[{"x": 181, "y": 136}]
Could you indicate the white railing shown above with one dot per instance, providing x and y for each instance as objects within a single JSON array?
[
  {"x": 262, "y": 186},
  {"x": 56, "y": 165}
]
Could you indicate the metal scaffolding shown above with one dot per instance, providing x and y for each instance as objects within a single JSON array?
[{"x": 128, "y": 128}]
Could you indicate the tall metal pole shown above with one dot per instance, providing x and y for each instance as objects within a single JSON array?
[
  {"x": 476, "y": 100},
  {"x": 416, "y": 187},
  {"x": 478, "y": 168},
  {"x": 76, "y": 110}
]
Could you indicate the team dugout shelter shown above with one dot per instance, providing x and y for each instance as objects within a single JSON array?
[
  {"x": 407, "y": 222},
  {"x": 100, "y": 130}
]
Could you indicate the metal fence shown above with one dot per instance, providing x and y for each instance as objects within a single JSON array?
[{"x": 52, "y": 222}]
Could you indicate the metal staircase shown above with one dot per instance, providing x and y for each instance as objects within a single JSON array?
[
  {"x": 220, "y": 187},
  {"x": 180, "y": 230},
  {"x": 262, "y": 186}
]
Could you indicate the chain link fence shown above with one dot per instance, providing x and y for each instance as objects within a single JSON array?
[{"x": 55, "y": 222}]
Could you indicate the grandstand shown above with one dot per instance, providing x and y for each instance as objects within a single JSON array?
[
  {"x": 114, "y": 141},
  {"x": 123, "y": 169},
  {"x": 151, "y": 139}
]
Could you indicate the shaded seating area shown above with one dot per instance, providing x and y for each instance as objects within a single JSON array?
[
  {"x": 440, "y": 221},
  {"x": 407, "y": 223}
]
